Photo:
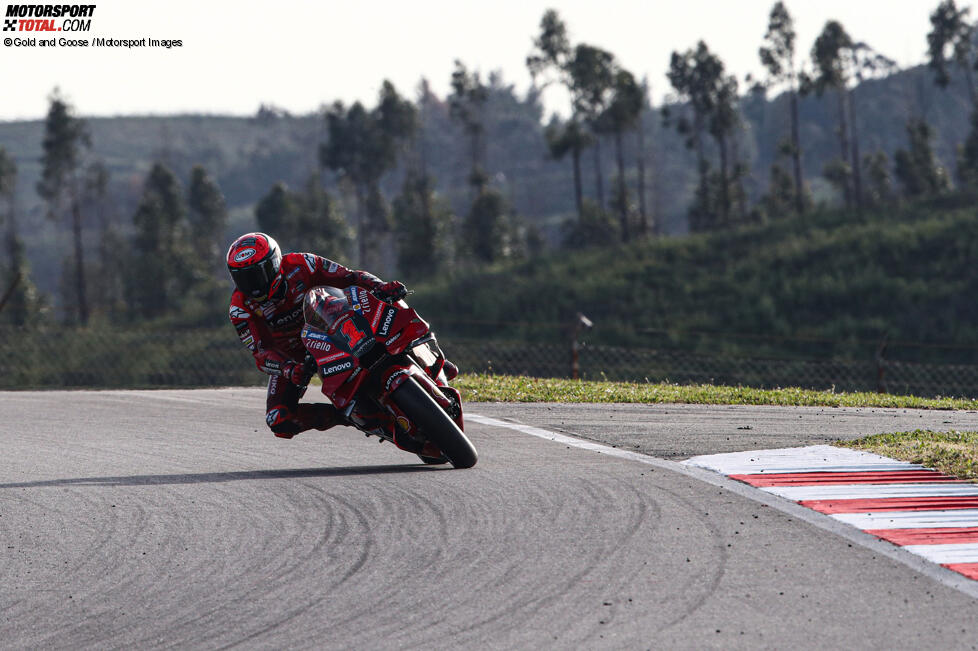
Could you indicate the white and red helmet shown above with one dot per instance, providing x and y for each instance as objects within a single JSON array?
[{"x": 255, "y": 261}]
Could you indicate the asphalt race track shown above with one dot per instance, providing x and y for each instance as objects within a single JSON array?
[{"x": 174, "y": 519}]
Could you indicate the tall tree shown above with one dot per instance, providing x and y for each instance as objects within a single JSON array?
[
  {"x": 320, "y": 225},
  {"x": 778, "y": 56},
  {"x": 208, "y": 217},
  {"x": 724, "y": 120},
  {"x": 880, "y": 186},
  {"x": 591, "y": 71},
  {"x": 643, "y": 215},
  {"x": 572, "y": 138},
  {"x": 65, "y": 139},
  {"x": 108, "y": 280},
  {"x": 917, "y": 169},
  {"x": 161, "y": 241},
  {"x": 833, "y": 71},
  {"x": 362, "y": 146},
  {"x": 952, "y": 36},
  {"x": 422, "y": 220},
  {"x": 550, "y": 60},
  {"x": 19, "y": 302},
  {"x": 621, "y": 115},
  {"x": 308, "y": 220},
  {"x": 551, "y": 50},
  {"x": 866, "y": 64},
  {"x": 277, "y": 213},
  {"x": 467, "y": 105},
  {"x": 701, "y": 83},
  {"x": 487, "y": 229}
]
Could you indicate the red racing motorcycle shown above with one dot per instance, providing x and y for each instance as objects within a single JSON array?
[{"x": 381, "y": 366}]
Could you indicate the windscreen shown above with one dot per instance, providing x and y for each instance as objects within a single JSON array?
[{"x": 321, "y": 309}]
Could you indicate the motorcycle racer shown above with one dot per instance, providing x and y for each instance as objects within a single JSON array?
[{"x": 266, "y": 311}]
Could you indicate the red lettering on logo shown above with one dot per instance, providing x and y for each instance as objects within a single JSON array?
[{"x": 351, "y": 332}]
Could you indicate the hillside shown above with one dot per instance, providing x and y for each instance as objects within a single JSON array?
[
  {"x": 248, "y": 154},
  {"x": 829, "y": 285}
]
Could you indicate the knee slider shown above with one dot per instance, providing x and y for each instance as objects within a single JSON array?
[{"x": 280, "y": 422}]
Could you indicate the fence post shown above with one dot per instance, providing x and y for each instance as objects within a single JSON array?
[
  {"x": 880, "y": 364},
  {"x": 580, "y": 321}
]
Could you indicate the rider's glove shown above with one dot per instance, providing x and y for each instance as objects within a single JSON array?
[
  {"x": 299, "y": 374},
  {"x": 394, "y": 289}
]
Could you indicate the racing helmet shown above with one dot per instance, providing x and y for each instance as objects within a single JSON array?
[{"x": 255, "y": 261}]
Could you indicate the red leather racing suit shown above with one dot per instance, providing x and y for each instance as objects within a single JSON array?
[{"x": 271, "y": 329}]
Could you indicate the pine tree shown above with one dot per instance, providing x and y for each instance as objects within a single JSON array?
[
  {"x": 422, "y": 221},
  {"x": 467, "y": 106},
  {"x": 699, "y": 79},
  {"x": 163, "y": 270},
  {"x": 621, "y": 115},
  {"x": 778, "y": 56},
  {"x": 880, "y": 190},
  {"x": 107, "y": 274},
  {"x": 65, "y": 139},
  {"x": 917, "y": 169},
  {"x": 487, "y": 229},
  {"x": 362, "y": 146},
  {"x": 208, "y": 217},
  {"x": 320, "y": 224},
  {"x": 833, "y": 72},
  {"x": 277, "y": 214},
  {"x": 19, "y": 302}
]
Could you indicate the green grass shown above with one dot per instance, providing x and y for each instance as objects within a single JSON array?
[
  {"x": 501, "y": 388},
  {"x": 953, "y": 453}
]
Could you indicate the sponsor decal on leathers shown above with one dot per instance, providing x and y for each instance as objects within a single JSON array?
[
  {"x": 283, "y": 321},
  {"x": 238, "y": 313}
]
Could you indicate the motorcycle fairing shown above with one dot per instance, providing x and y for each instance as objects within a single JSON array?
[{"x": 345, "y": 345}]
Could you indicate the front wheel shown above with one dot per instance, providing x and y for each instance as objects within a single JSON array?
[{"x": 435, "y": 424}]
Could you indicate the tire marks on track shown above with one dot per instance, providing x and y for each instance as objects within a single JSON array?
[{"x": 223, "y": 536}]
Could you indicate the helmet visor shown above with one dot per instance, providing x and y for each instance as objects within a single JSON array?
[{"x": 254, "y": 281}]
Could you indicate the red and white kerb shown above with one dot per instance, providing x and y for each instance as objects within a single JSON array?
[{"x": 923, "y": 511}]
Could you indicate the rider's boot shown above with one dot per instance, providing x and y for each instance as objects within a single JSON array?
[{"x": 318, "y": 416}]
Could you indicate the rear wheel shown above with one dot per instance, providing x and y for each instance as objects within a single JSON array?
[{"x": 435, "y": 424}]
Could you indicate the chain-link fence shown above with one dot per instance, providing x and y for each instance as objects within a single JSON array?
[
  {"x": 154, "y": 357},
  {"x": 641, "y": 365}
]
